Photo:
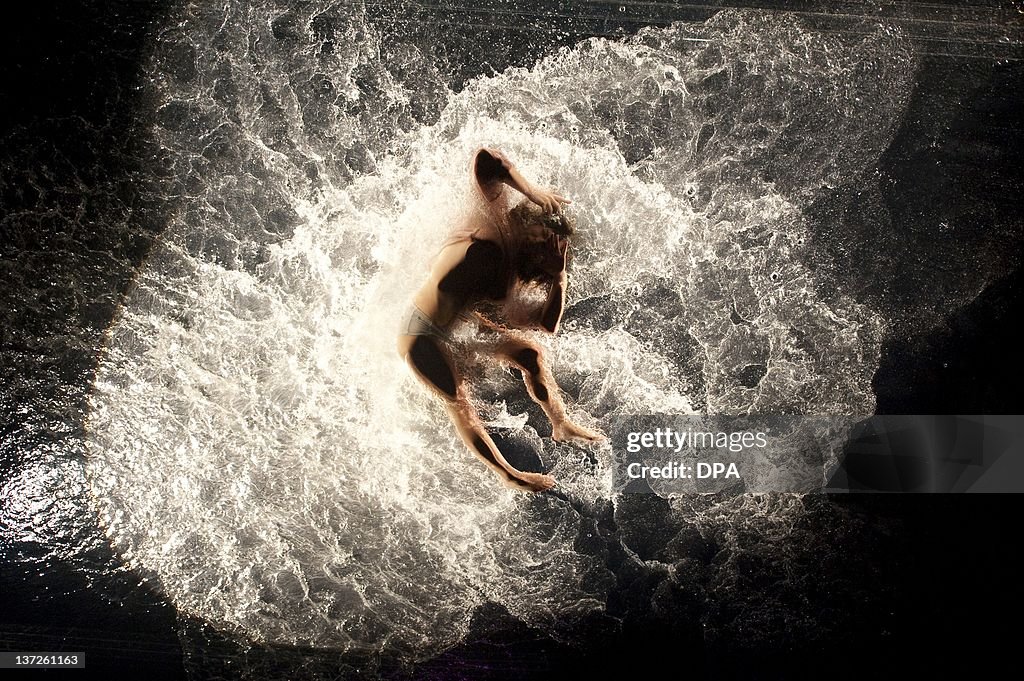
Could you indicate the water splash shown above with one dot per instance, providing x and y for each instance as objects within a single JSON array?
[{"x": 258, "y": 448}]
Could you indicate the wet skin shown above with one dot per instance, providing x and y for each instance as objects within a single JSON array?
[{"x": 473, "y": 270}]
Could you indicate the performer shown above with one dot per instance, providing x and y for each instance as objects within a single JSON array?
[{"x": 482, "y": 273}]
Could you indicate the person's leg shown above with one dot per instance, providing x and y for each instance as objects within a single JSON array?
[
  {"x": 529, "y": 358},
  {"x": 431, "y": 363},
  {"x": 473, "y": 433}
]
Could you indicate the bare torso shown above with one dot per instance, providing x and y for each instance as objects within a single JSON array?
[{"x": 463, "y": 273}]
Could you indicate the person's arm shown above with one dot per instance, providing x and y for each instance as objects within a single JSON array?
[
  {"x": 551, "y": 314},
  {"x": 493, "y": 166}
]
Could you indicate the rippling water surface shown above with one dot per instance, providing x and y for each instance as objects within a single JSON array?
[
  {"x": 256, "y": 444},
  {"x": 255, "y": 450}
]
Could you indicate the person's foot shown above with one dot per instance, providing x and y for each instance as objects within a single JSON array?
[
  {"x": 570, "y": 431},
  {"x": 529, "y": 482}
]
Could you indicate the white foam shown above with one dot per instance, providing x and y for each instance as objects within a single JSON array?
[{"x": 258, "y": 447}]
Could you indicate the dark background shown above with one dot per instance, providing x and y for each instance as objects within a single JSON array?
[{"x": 70, "y": 146}]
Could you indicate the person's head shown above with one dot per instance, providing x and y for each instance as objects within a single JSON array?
[
  {"x": 536, "y": 225},
  {"x": 533, "y": 228}
]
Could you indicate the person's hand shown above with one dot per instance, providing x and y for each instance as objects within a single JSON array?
[
  {"x": 548, "y": 200},
  {"x": 554, "y": 260}
]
